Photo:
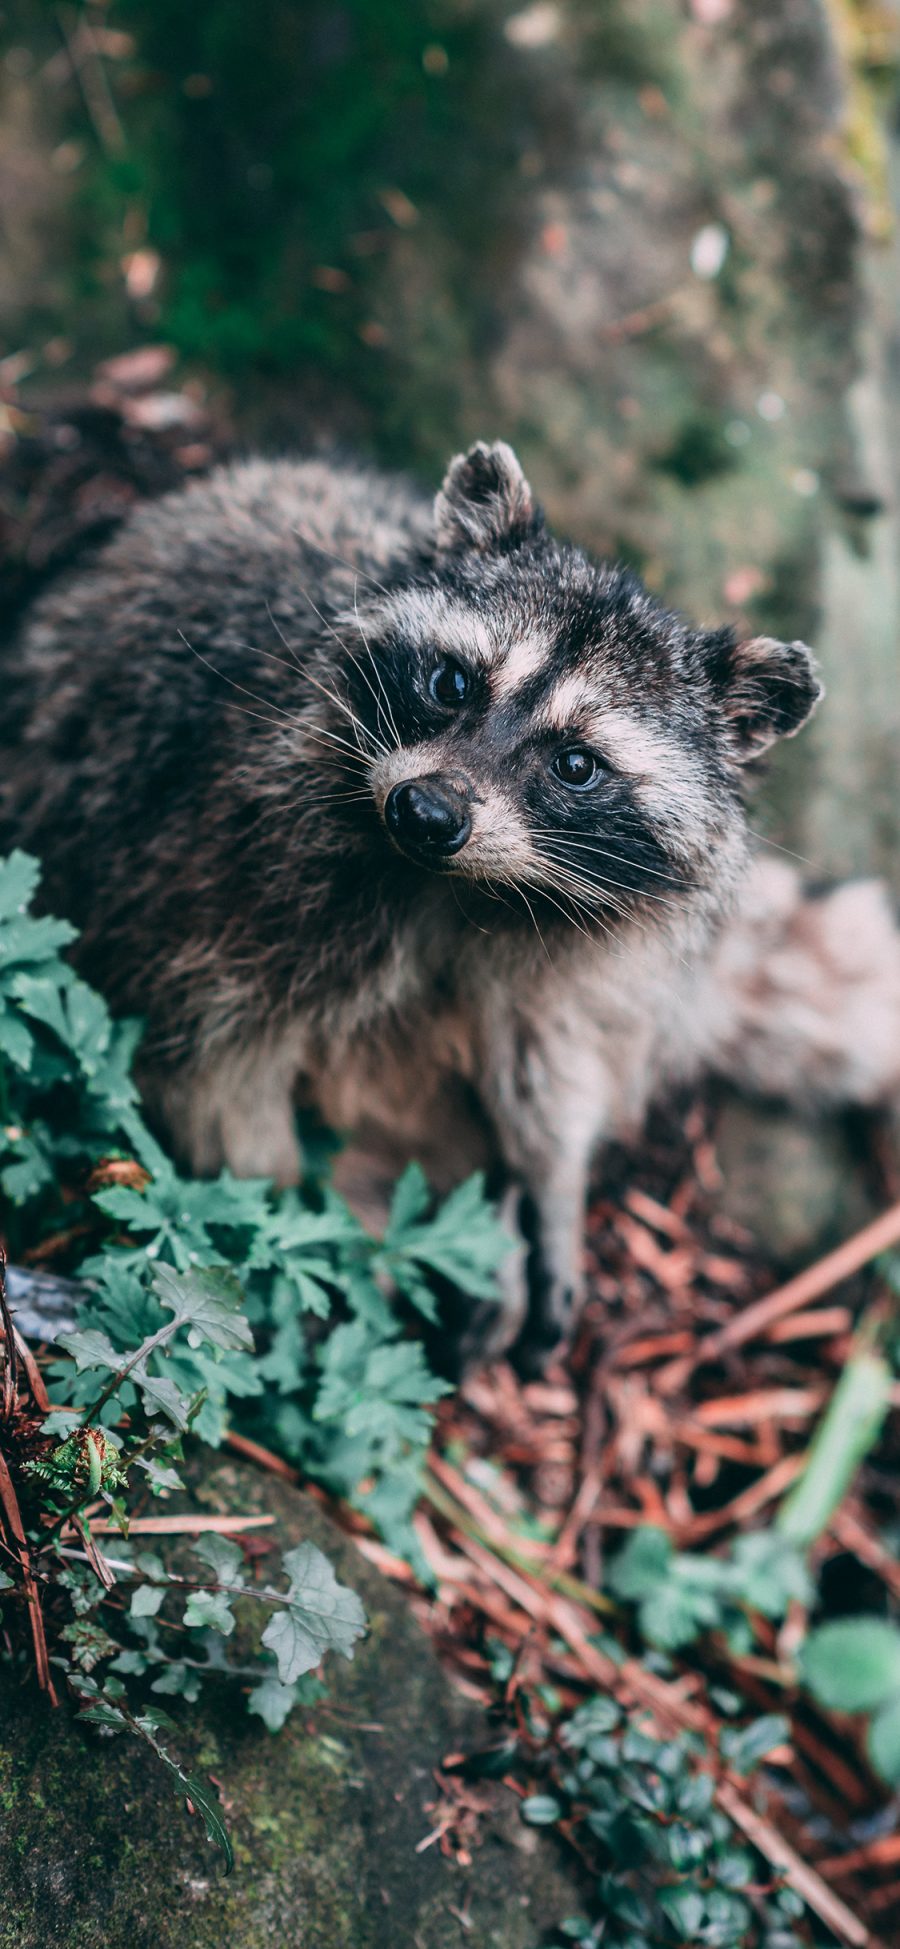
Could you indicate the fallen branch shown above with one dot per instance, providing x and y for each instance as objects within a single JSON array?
[{"x": 807, "y": 1286}]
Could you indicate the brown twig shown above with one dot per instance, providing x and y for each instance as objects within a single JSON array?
[{"x": 807, "y": 1286}]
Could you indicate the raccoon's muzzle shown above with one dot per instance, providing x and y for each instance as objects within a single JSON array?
[{"x": 427, "y": 818}]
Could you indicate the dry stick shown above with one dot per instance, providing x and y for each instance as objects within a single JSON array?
[
  {"x": 253, "y": 1451},
  {"x": 809, "y": 1285},
  {"x": 778, "y": 1852},
  {"x": 10, "y": 1506},
  {"x": 197, "y": 1525}
]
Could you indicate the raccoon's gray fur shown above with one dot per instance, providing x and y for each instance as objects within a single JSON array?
[{"x": 421, "y": 816}]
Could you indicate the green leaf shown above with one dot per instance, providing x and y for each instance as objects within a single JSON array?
[
  {"x": 744, "y": 1746},
  {"x": 102, "y": 1712},
  {"x": 320, "y": 1615},
  {"x": 16, "y": 1039},
  {"x": 883, "y": 1741},
  {"x": 196, "y": 1791},
  {"x": 209, "y": 1610},
  {"x": 206, "y": 1803},
  {"x": 540, "y": 1810},
  {"x": 146, "y": 1600},
  {"x": 161, "y": 1396},
  {"x": 733, "y": 1867},
  {"x": 273, "y": 1702},
  {"x": 224, "y": 1558},
  {"x": 770, "y": 1572},
  {"x": 19, "y": 879},
  {"x": 686, "y": 1910},
  {"x": 852, "y": 1664},
  {"x": 91, "y": 1349},
  {"x": 209, "y": 1302},
  {"x": 642, "y": 1566},
  {"x": 463, "y": 1242}
]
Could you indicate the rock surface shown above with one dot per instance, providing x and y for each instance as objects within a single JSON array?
[{"x": 326, "y": 1816}]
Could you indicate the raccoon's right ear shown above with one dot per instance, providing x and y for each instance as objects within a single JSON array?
[
  {"x": 765, "y": 689},
  {"x": 485, "y": 501}
]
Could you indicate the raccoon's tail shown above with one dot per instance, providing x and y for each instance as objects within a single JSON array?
[{"x": 802, "y": 997}]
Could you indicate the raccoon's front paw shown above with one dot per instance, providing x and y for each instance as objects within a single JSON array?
[
  {"x": 493, "y": 1326},
  {"x": 554, "y": 1301}
]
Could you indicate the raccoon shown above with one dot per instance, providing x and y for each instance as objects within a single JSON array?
[{"x": 417, "y": 816}]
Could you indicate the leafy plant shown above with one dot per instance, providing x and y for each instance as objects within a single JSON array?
[
  {"x": 194, "y": 1298},
  {"x": 853, "y": 1665},
  {"x": 668, "y": 1866},
  {"x": 680, "y": 1594}
]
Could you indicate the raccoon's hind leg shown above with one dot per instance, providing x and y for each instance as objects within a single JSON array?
[{"x": 801, "y": 999}]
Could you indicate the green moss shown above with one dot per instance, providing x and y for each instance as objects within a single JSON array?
[{"x": 325, "y": 1817}]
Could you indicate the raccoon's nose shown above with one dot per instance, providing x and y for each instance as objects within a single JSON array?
[{"x": 426, "y": 816}]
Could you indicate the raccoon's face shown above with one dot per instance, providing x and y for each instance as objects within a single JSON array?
[{"x": 538, "y": 722}]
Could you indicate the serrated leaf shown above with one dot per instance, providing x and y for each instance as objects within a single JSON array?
[
  {"x": 39, "y": 997},
  {"x": 209, "y": 1610},
  {"x": 273, "y": 1702},
  {"x": 16, "y": 1039},
  {"x": 225, "y": 1559},
  {"x": 409, "y": 1204},
  {"x": 19, "y": 880},
  {"x": 319, "y": 1615},
  {"x": 89, "y": 1025},
  {"x": 91, "y": 1349},
  {"x": 208, "y": 1301},
  {"x": 101, "y": 1712},
  {"x": 161, "y": 1396}
]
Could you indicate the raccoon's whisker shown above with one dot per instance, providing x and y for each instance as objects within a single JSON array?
[
  {"x": 537, "y": 930},
  {"x": 356, "y": 722},
  {"x": 296, "y": 668},
  {"x": 788, "y": 851},
  {"x": 617, "y": 859},
  {"x": 282, "y": 638},
  {"x": 378, "y": 676},
  {"x": 352, "y": 568},
  {"x": 639, "y": 893},
  {"x": 373, "y": 693},
  {"x": 296, "y": 721},
  {"x": 352, "y": 759},
  {"x": 340, "y": 641},
  {"x": 571, "y": 912},
  {"x": 267, "y": 702},
  {"x": 619, "y": 907},
  {"x": 256, "y": 649}
]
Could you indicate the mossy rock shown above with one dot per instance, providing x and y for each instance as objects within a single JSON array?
[{"x": 326, "y": 1816}]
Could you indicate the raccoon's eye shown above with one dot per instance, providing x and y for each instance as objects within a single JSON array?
[
  {"x": 448, "y": 683},
  {"x": 576, "y": 767}
]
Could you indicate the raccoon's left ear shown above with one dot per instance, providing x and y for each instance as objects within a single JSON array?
[
  {"x": 765, "y": 689},
  {"x": 485, "y": 501}
]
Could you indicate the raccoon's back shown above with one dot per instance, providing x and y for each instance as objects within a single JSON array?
[
  {"x": 140, "y": 701},
  {"x": 138, "y": 684}
]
